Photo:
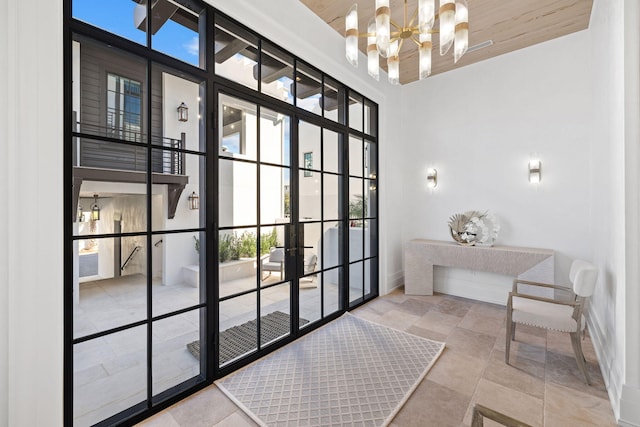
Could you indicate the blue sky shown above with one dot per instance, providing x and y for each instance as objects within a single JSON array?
[{"x": 172, "y": 39}]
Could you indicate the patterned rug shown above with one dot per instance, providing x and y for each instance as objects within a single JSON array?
[
  {"x": 349, "y": 372},
  {"x": 241, "y": 339}
]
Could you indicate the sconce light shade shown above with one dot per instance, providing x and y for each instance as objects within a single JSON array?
[
  {"x": 535, "y": 171},
  {"x": 194, "y": 201},
  {"x": 95, "y": 209},
  {"x": 432, "y": 178},
  {"x": 183, "y": 112}
]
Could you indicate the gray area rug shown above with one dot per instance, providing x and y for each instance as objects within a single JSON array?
[
  {"x": 349, "y": 372},
  {"x": 241, "y": 339}
]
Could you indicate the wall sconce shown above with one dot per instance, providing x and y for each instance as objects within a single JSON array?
[
  {"x": 95, "y": 209},
  {"x": 535, "y": 171},
  {"x": 194, "y": 201},
  {"x": 183, "y": 112},
  {"x": 432, "y": 178}
]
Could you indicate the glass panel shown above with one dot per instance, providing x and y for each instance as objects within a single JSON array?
[
  {"x": 177, "y": 276},
  {"x": 370, "y": 117},
  {"x": 173, "y": 209},
  {"x": 272, "y": 255},
  {"x": 355, "y": 282},
  {"x": 238, "y": 327},
  {"x": 236, "y": 53},
  {"x": 369, "y": 265},
  {"x": 331, "y": 280},
  {"x": 108, "y": 16},
  {"x": 334, "y": 94},
  {"x": 109, "y": 90},
  {"x": 370, "y": 160},
  {"x": 332, "y": 241},
  {"x": 356, "y": 241},
  {"x": 175, "y": 30},
  {"x": 355, "y": 156},
  {"x": 355, "y": 111},
  {"x": 274, "y": 190},
  {"x": 103, "y": 208},
  {"x": 311, "y": 245},
  {"x": 357, "y": 205},
  {"x": 331, "y": 195},
  {"x": 275, "y": 143},
  {"x": 109, "y": 375},
  {"x": 111, "y": 281},
  {"x": 310, "y": 302},
  {"x": 237, "y": 256},
  {"x": 172, "y": 362},
  {"x": 370, "y": 197},
  {"x": 178, "y": 109},
  {"x": 332, "y": 151},
  {"x": 331, "y": 290},
  {"x": 238, "y": 132},
  {"x": 310, "y": 196},
  {"x": 238, "y": 193},
  {"x": 309, "y": 146},
  {"x": 275, "y": 312},
  {"x": 370, "y": 238},
  {"x": 308, "y": 88},
  {"x": 277, "y": 73}
]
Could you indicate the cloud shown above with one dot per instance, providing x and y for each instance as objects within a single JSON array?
[{"x": 193, "y": 47}]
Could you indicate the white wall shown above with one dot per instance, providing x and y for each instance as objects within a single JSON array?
[
  {"x": 614, "y": 315},
  {"x": 31, "y": 337},
  {"x": 480, "y": 125}
]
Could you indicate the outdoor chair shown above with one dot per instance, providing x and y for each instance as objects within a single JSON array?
[
  {"x": 274, "y": 261},
  {"x": 560, "y": 315}
]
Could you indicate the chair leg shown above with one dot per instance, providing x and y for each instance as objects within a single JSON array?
[
  {"x": 580, "y": 359},
  {"x": 510, "y": 329}
]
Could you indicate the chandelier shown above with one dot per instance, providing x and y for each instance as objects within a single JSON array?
[{"x": 386, "y": 37}]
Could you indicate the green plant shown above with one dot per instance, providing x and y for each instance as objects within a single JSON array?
[
  {"x": 268, "y": 241},
  {"x": 228, "y": 248},
  {"x": 247, "y": 245},
  {"x": 357, "y": 209}
]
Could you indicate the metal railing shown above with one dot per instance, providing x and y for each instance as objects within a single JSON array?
[
  {"x": 114, "y": 155},
  {"x": 130, "y": 257}
]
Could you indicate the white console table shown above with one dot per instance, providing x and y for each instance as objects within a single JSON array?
[{"x": 524, "y": 263}]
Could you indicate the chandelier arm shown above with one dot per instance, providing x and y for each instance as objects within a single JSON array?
[
  {"x": 395, "y": 24},
  {"x": 404, "y": 22},
  {"x": 413, "y": 19},
  {"x": 367, "y": 35},
  {"x": 413, "y": 39},
  {"x": 399, "y": 47}
]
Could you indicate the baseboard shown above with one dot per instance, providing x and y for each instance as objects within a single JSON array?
[
  {"x": 611, "y": 376},
  {"x": 629, "y": 408},
  {"x": 394, "y": 281}
]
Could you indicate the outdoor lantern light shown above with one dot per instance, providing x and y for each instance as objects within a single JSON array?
[
  {"x": 535, "y": 171},
  {"x": 95, "y": 209},
  {"x": 79, "y": 215},
  {"x": 432, "y": 178},
  {"x": 183, "y": 112},
  {"x": 194, "y": 201}
]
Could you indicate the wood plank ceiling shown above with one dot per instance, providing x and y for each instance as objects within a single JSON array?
[{"x": 511, "y": 24}]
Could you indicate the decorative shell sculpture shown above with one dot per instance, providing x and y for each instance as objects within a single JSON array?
[{"x": 474, "y": 227}]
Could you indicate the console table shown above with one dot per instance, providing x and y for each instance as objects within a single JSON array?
[{"x": 524, "y": 263}]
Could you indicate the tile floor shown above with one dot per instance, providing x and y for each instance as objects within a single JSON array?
[{"x": 542, "y": 387}]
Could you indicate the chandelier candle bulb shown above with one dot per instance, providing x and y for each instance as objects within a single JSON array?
[
  {"x": 461, "y": 30},
  {"x": 447, "y": 25},
  {"x": 383, "y": 27},
  {"x": 373, "y": 65},
  {"x": 425, "y": 55},
  {"x": 351, "y": 35},
  {"x": 393, "y": 68},
  {"x": 426, "y": 15}
]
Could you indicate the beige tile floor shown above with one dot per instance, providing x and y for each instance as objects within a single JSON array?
[{"x": 542, "y": 387}]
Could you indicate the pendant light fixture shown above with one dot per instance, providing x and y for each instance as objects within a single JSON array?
[
  {"x": 389, "y": 36},
  {"x": 95, "y": 209}
]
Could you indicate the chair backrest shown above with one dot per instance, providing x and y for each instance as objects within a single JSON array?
[
  {"x": 310, "y": 264},
  {"x": 276, "y": 255},
  {"x": 583, "y": 276}
]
